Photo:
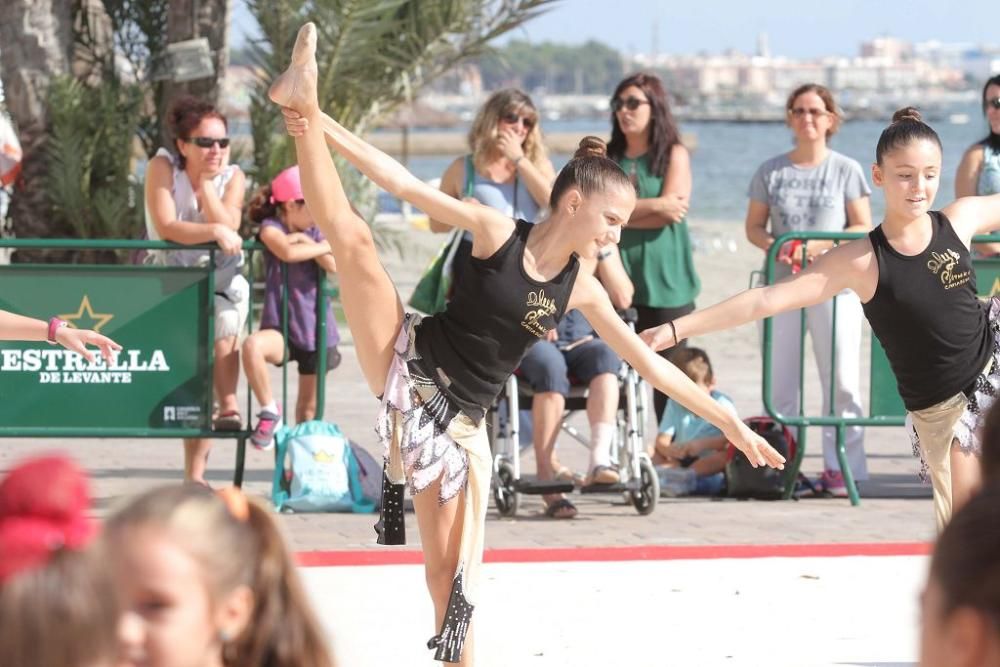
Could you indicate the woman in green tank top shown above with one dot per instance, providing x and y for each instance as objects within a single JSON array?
[{"x": 655, "y": 245}]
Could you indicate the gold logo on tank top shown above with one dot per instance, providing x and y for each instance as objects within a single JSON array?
[
  {"x": 943, "y": 264},
  {"x": 539, "y": 306}
]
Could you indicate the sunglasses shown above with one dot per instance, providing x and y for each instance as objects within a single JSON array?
[
  {"x": 512, "y": 118},
  {"x": 632, "y": 103},
  {"x": 994, "y": 102},
  {"x": 802, "y": 113},
  {"x": 208, "y": 142}
]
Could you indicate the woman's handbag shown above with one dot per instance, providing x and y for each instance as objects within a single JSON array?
[{"x": 434, "y": 287}]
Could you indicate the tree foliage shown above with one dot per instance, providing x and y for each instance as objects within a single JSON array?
[
  {"x": 89, "y": 182},
  {"x": 372, "y": 54},
  {"x": 589, "y": 68}
]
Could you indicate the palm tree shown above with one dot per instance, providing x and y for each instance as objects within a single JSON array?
[{"x": 374, "y": 55}]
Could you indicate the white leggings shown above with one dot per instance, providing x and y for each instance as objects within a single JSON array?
[{"x": 785, "y": 372}]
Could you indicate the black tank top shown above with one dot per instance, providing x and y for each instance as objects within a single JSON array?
[
  {"x": 926, "y": 314},
  {"x": 497, "y": 312}
]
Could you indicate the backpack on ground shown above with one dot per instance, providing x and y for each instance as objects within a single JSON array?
[
  {"x": 317, "y": 470},
  {"x": 761, "y": 483}
]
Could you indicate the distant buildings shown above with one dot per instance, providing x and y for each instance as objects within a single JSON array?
[{"x": 883, "y": 65}]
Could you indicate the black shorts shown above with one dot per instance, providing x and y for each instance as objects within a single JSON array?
[{"x": 307, "y": 359}]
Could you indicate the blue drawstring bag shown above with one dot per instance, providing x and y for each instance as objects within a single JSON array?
[{"x": 316, "y": 470}]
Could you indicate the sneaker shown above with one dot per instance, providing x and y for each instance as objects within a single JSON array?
[
  {"x": 676, "y": 482},
  {"x": 832, "y": 482},
  {"x": 263, "y": 434}
]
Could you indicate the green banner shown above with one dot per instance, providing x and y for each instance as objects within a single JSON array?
[{"x": 162, "y": 377}]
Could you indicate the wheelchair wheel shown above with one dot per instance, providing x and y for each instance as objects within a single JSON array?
[
  {"x": 504, "y": 495},
  {"x": 644, "y": 500}
]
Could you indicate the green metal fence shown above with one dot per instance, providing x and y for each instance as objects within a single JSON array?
[
  {"x": 885, "y": 405},
  {"x": 160, "y": 384}
]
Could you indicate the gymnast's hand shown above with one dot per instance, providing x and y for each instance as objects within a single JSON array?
[
  {"x": 756, "y": 449},
  {"x": 295, "y": 123},
  {"x": 78, "y": 340}
]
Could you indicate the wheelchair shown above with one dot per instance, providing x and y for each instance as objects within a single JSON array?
[{"x": 639, "y": 483}]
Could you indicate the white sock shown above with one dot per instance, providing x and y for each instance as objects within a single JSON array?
[
  {"x": 271, "y": 407},
  {"x": 601, "y": 436}
]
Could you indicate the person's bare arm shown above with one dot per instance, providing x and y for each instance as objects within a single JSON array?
[
  {"x": 847, "y": 266},
  {"x": 163, "y": 212},
  {"x": 756, "y": 224},
  {"x": 593, "y": 301},
  {"x": 227, "y": 209},
  {"x": 451, "y": 184},
  {"x": 490, "y": 228},
  {"x": 974, "y": 215},
  {"x": 611, "y": 273},
  {"x": 859, "y": 219},
  {"x": 327, "y": 263},
  {"x": 291, "y": 253},
  {"x": 675, "y": 196},
  {"x": 967, "y": 175},
  {"x": 19, "y": 327}
]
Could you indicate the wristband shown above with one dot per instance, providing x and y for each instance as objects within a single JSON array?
[
  {"x": 54, "y": 325},
  {"x": 516, "y": 160},
  {"x": 673, "y": 330}
]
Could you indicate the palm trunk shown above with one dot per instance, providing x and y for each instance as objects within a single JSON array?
[
  {"x": 37, "y": 38},
  {"x": 191, "y": 19}
]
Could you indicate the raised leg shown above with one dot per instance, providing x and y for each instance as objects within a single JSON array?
[{"x": 372, "y": 306}]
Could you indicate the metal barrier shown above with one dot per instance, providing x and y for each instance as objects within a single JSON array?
[
  {"x": 885, "y": 405},
  {"x": 160, "y": 384}
]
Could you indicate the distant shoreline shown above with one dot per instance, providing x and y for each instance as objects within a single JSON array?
[{"x": 451, "y": 142}]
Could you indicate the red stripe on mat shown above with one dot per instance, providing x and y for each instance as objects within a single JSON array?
[{"x": 660, "y": 552}]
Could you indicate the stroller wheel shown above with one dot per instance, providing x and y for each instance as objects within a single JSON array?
[
  {"x": 644, "y": 499},
  {"x": 504, "y": 495}
]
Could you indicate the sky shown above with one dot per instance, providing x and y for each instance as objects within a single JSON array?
[{"x": 795, "y": 28}]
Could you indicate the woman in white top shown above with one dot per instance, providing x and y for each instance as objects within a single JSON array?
[{"x": 195, "y": 196}]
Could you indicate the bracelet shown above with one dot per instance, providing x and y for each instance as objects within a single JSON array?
[
  {"x": 603, "y": 255},
  {"x": 54, "y": 325},
  {"x": 673, "y": 330},
  {"x": 516, "y": 160}
]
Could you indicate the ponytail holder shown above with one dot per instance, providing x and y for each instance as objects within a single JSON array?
[{"x": 236, "y": 503}]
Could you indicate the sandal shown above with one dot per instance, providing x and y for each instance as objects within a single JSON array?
[
  {"x": 602, "y": 476},
  {"x": 230, "y": 420},
  {"x": 560, "y": 509}
]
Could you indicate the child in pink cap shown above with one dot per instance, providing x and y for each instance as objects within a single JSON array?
[{"x": 294, "y": 242}]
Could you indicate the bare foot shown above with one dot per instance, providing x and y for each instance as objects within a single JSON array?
[{"x": 295, "y": 88}]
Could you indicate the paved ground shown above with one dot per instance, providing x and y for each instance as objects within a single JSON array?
[{"x": 896, "y": 507}]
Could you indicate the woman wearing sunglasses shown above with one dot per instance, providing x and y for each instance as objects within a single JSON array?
[
  {"x": 195, "y": 196},
  {"x": 507, "y": 167},
  {"x": 814, "y": 189},
  {"x": 655, "y": 245},
  {"x": 979, "y": 170}
]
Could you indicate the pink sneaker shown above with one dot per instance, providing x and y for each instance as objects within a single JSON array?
[
  {"x": 263, "y": 434},
  {"x": 832, "y": 481}
]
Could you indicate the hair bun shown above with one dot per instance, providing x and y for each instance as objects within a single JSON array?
[
  {"x": 907, "y": 114},
  {"x": 591, "y": 147}
]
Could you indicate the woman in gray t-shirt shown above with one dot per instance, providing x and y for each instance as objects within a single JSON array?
[{"x": 814, "y": 189}]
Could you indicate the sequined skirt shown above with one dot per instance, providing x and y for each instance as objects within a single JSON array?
[{"x": 425, "y": 422}]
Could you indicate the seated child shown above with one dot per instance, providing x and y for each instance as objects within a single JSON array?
[
  {"x": 292, "y": 239},
  {"x": 689, "y": 452}
]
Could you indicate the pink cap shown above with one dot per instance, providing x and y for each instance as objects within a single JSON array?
[{"x": 286, "y": 186}]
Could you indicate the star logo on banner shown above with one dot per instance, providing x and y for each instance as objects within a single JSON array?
[{"x": 85, "y": 317}]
